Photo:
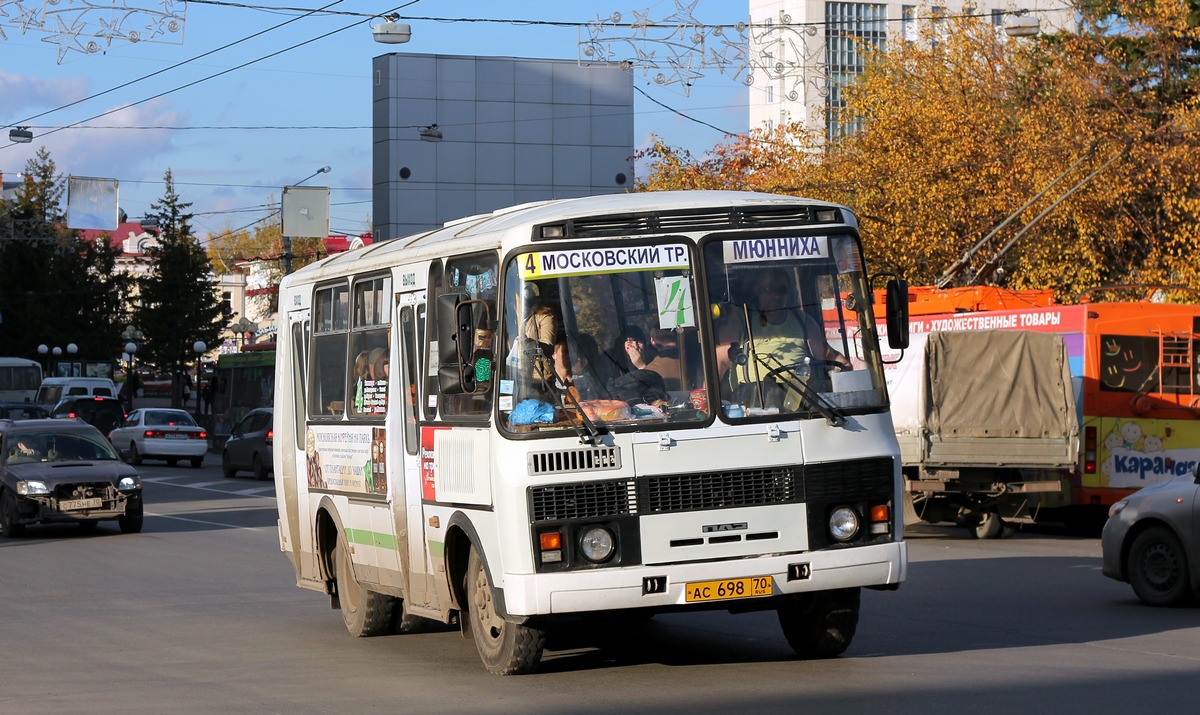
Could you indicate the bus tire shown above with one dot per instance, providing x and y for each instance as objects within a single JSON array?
[
  {"x": 404, "y": 622},
  {"x": 506, "y": 648},
  {"x": 1158, "y": 568},
  {"x": 365, "y": 612},
  {"x": 820, "y": 624}
]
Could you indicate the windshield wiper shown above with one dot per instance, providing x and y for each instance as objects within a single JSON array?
[
  {"x": 588, "y": 433},
  {"x": 788, "y": 376}
]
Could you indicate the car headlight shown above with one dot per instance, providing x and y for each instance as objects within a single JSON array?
[
  {"x": 597, "y": 544},
  {"x": 129, "y": 483},
  {"x": 26, "y": 487},
  {"x": 1117, "y": 507},
  {"x": 843, "y": 524}
]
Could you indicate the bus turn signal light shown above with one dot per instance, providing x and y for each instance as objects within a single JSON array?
[{"x": 551, "y": 545}]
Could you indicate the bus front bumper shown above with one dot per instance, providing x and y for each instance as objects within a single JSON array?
[{"x": 681, "y": 585}]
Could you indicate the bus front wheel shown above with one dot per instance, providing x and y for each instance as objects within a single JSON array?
[
  {"x": 821, "y": 624},
  {"x": 506, "y": 648},
  {"x": 365, "y": 612}
]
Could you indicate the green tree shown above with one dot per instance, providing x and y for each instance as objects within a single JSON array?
[
  {"x": 179, "y": 303},
  {"x": 56, "y": 289}
]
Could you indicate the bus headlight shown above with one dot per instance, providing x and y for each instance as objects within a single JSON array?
[
  {"x": 843, "y": 524},
  {"x": 597, "y": 544}
]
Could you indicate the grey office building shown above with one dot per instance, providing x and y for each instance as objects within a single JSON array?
[{"x": 456, "y": 136}]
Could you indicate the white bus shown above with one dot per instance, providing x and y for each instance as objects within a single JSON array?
[
  {"x": 19, "y": 379},
  {"x": 515, "y": 470}
]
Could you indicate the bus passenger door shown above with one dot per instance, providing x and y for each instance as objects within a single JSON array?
[
  {"x": 406, "y": 488},
  {"x": 291, "y": 410}
]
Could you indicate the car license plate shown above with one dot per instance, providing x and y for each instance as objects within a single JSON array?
[
  {"x": 176, "y": 435},
  {"x": 75, "y": 504},
  {"x": 729, "y": 588}
]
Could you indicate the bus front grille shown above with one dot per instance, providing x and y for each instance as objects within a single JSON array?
[
  {"x": 721, "y": 490},
  {"x": 583, "y": 500}
]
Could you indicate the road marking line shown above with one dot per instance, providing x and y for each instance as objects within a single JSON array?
[{"x": 210, "y": 523}]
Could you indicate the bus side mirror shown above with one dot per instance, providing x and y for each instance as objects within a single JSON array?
[
  {"x": 896, "y": 313},
  {"x": 454, "y": 344},
  {"x": 464, "y": 351}
]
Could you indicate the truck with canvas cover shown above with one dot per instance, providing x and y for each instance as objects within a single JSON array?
[{"x": 986, "y": 422}]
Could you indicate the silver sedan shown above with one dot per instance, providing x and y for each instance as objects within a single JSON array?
[
  {"x": 160, "y": 433},
  {"x": 1152, "y": 541}
]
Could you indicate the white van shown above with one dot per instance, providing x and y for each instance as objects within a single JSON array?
[{"x": 54, "y": 389}]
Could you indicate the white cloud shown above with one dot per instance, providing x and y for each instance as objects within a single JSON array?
[{"x": 25, "y": 96}]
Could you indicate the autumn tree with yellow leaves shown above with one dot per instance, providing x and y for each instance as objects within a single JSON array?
[
  {"x": 1095, "y": 129},
  {"x": 263, "y": 242}
]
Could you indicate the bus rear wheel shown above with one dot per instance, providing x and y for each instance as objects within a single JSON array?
[
  {"x": 506, "y": 648},
  {"x": 365, "y": 612},
  {"x": 820, "y": 624}
]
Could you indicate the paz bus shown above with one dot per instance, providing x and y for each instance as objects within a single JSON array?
[
  {"x": 437, "y": 459},
  {"x": 19, "y": 379},
  {"x": 1135, "y": 366}
]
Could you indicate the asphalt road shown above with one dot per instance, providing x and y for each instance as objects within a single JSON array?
[{"x": 199, "y": 614}]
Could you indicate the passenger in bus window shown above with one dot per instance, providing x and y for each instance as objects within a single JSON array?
[
  {"x": 573, "y": 359},
  {"x": 666, "y": 356},
  {"x": 631, "y": 351},
  {"x": 783, "y": 334},
  {"x": 362, "y": 367}
]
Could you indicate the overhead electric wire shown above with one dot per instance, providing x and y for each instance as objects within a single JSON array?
[
  {"x": 215, "y": 75},
  {"x": 26, "y": 121}
]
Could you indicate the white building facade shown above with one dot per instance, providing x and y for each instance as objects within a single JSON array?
[{"x": 811, "y": 49}]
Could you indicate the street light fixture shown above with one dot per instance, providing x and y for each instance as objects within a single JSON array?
[
  {"x": 20, "y": 135},
  {"x": 390, "y": 32},
  {"x": 244, "y": 326}
]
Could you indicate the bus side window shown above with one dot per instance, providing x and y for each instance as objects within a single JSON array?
[
  {"x": 328, "y": 356},
  {"x": 478, "y": 277},
  {"x": 408, "y": 364}
]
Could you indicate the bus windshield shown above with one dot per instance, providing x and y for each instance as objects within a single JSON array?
[
  {"x": 785, "y": 315},
  {"x": 607, "y": 332}
]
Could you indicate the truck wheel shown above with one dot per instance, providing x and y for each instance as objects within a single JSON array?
[
  {"x": 820, "y": 624},
  {"x": 365, "y": 612},
  {"x": 988, "y": 526},
  {"x": 506, "y": 648},
  {"x": 1158, "y": 568}
]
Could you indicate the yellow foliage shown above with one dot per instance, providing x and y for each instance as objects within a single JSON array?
[{"x": 960, "y": 132}]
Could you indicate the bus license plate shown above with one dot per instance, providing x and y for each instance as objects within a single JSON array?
[
  {"x": 729, "y": 588},
  {"x": 74, "y": 504}
]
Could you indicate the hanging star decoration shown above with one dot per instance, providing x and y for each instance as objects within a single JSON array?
[{"x": 90, "y": 26}]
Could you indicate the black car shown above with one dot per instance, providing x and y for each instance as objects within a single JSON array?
[
  {"x": 103, "y": 413},
  {"x": 249, "y": 445},
  {"x": 64, "y": 471},
  {"x": 22, "y": 411}
]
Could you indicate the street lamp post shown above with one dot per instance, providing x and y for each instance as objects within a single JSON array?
[
  {"x": 130, "y": 381},
  {"x": 244, "y": 327},
  {"x": 199, "y": 347}
]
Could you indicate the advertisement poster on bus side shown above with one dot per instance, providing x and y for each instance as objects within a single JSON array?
[
  {"x": 347, "y": 459},
  {"x": 428, "y": 486},
  {"x": 1136, "y": 453}
]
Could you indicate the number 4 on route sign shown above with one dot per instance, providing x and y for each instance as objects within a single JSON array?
[{"x": 674, "y": 296}]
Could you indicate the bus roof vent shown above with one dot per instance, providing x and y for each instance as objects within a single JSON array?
[
  {"x": 698, "y": 219},
  {"x": 586, "y": 459}
]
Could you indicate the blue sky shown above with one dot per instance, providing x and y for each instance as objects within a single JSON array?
[{"x": 231, "y": 174}]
